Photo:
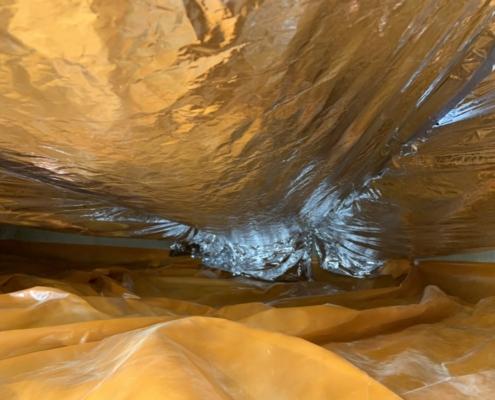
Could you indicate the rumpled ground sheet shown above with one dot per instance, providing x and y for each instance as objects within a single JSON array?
[{"x": 173, "y": 330}]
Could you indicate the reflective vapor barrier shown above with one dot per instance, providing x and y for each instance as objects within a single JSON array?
[{"x": 256, "y": 133}]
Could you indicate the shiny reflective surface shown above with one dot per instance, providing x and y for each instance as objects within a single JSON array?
[{"x": 253, "y": 131}]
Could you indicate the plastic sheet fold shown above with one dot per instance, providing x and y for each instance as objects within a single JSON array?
[{"x": 256, "y": 133}]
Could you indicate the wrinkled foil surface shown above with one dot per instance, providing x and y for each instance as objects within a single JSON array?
[{"x": 254, "y": 132}]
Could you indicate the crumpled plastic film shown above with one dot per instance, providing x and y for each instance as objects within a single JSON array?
[
  {"x": 253, "y": 131},
  {"x": 180, "y": 331}
]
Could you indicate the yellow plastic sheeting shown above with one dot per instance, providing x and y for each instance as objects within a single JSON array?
[{"x": 179, "y": 332}]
